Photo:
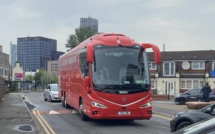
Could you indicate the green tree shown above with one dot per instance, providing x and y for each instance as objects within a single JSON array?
[
  {"x": 54, "y": 79},
  {"x": 29, "y": 78},
  {"x": 42, "y": 78},
  {"x": 80, "y": 35},
  {"x": 37, "y": 77}
]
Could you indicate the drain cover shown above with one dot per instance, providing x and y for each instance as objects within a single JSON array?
[{"x": 25, "y": 128}]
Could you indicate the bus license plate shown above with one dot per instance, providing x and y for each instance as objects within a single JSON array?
[{"x": 124, "y": 113}]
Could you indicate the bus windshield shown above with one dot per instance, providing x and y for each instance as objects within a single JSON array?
[{"x": 120, "y": 68}]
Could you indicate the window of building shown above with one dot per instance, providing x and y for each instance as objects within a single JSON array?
[
  {"x": 152, "y": 66},
  {"x": 169, "y": 69},
  {"x": 188, "y": 84},
  {"x": 198, "y": 65},
  {"x": 6, "y": 72},
  {"x": 153, "y": 84}
]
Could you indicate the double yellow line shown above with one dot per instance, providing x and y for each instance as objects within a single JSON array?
[{"x": 44, "y": 124}]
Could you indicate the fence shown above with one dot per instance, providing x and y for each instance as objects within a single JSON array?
[
  {"x": 2, "y": 88},
  {"x": 21, "y": 86}
]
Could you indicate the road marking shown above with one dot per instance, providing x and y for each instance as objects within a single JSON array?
[
  {"x": 53, "y": 112},
  {"x": 43, "y": 122},
  {"x": 49, "y": 127},
  {"x": 57, "y": 112},
  {"x": 74, "y": 111},
  {"x": 35, "y": 114}
]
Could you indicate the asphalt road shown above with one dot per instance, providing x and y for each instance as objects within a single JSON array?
[{"x": 67, "y": 121}]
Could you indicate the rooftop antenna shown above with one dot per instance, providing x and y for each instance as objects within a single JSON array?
[{"x": 164, "y": 47}]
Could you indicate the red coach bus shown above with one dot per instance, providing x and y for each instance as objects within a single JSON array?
[{"x": 107, "y": 77}]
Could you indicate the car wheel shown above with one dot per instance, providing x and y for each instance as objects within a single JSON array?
[
  {"x": 83, "y": 116},
  {"x": 45, "y": 98},
  {"x": 183, "y": 124},
  {"x": 50, "y": 99},
  {"x": 181, "y": 101}
]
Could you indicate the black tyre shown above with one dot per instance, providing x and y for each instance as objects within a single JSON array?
[
  {"x": 45, "y": 98},
  {"x": 181, "y": 101},
  {"x": 183, "y": 124},
  {"x": 83, "y": 116},
  {"x": 62, "y": 101},
  {"x": 65, "y": 104}
]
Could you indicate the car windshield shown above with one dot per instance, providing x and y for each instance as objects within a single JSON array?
[
  {"x": 196, "y": 127},
  {"x": 120, "y": 67},
  {"x": 54, "y": 87}
]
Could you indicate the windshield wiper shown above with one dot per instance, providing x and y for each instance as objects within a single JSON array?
[{"x": 108, "y": 87}]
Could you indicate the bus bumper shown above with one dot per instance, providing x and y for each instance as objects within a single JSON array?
[{"x": 136, "y": 114}]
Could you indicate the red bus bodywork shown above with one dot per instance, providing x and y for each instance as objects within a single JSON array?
[{"x": 77, "y": 91}]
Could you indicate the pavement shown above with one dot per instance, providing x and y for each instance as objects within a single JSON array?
[{"x": 16, "y": 117}]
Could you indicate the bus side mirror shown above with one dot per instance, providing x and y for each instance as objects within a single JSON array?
[
  {"x": 157, "y": 54},
  {"x": 90, "y": 53}
]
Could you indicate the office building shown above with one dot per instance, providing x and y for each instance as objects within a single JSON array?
[
  {"x": 56, "y": 54},
  {"x": 89, "y": 22},
  {"x": 13, "y": 54},
  {"x": 52, "y": 68},
  {"x": 34, "y": 53},
  {"x": 4, "y": 65}
]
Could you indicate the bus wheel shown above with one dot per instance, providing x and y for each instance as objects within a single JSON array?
[
  {"x": 65, "y": 104},
  {"x": 62, "y": 101},
  {"x": 83, "y": 116}
]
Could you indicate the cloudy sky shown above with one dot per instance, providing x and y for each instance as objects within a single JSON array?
[{"x": 179, "y": 24}]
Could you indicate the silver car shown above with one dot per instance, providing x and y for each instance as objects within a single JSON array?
[{"x": 51, "y": 93}]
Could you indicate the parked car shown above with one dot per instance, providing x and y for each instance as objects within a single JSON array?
[
  {"x": 183, "y": 119},
  {"x": 192, "y": 95},
  {"x": 51, "y": 93},
  {"x": 203, "y": 127}
]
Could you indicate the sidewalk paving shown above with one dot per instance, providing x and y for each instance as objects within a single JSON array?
[{"x": 15, "y": 118}]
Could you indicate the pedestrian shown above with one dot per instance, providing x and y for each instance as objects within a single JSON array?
[{"x": 205, "y": 92}]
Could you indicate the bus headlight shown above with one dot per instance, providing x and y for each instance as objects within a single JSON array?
[
  {"x": 146, "y": 105},
  {"x": 98, "y": 105}
]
